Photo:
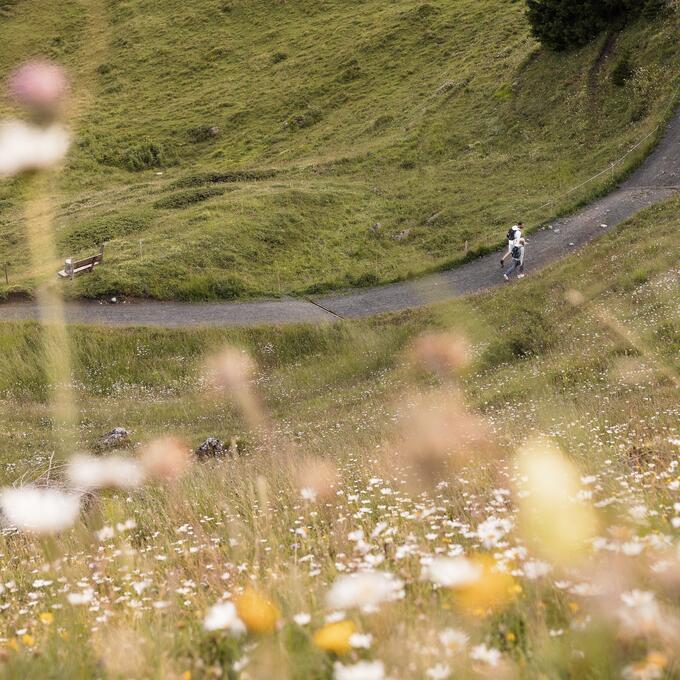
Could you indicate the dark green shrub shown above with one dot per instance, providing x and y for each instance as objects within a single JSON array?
[
  {"x": 278, "y": 57},
  {"x": 142, "y": 155},
  {"x": 202, "y": 133},
  {"x": 668, "y": 334},
  {"x": 381, "y": 122},
  {"x": 622, "y": 72},
  {"x": 222, "y": 178},
  {"x": 304, "y": 120},
  {"x": 185, "y": 198},
  {"x": 363, "y": 280},
  {"x": 94, "y": 233},
  {"x": 653, "y": 8},
  {"x": 529, "y": 334},
  {"x": 424, "y": 11},
  {"x": 6, "y": 7},
  {"x": 350, "y": 71}
]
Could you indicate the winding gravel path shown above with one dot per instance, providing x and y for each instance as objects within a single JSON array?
[{"x": 656, "y": 179}]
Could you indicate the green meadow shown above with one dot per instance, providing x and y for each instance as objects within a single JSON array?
[{"x": 240, "y": 149}]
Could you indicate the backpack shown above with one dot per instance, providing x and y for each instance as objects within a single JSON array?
[
  {"x": 511, "y": 234},
  {"x": 516, "y": 253}
]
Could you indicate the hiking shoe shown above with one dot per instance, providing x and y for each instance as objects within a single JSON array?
[
  {"x": 520, "y": 276},
  {"x": 506, "y": 277}
]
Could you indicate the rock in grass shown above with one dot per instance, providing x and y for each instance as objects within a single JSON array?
[
  {"x": 212, "y": 447},
  {"x": 118, "y": 437},
  {"x": 402, "y": 235}
]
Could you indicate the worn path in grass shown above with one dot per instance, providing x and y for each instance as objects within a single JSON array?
[{"x": 656, "y": 180}]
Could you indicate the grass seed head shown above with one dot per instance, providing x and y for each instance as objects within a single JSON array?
[
  {"x": 165, "y": 459},
  {"x": 443, "y": 354}
]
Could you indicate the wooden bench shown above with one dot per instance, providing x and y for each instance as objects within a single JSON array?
[{"x": 72, "y": 269}]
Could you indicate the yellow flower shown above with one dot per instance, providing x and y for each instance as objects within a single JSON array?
[
  {"x": 47, "y": 618},
  {"x": 492, "y": 590},
  {"x": 553, "y": 520},
  {"x": 258, "y": 613},
  {"x": 27, "y": 640},
  {"x": 186, "y": 675},
  {"x": 334, "y": 637}
]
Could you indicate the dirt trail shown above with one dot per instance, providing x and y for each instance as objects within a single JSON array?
[{"x": 656, "y": 180}]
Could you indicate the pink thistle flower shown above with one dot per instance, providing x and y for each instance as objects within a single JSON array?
[{"x": 38, "y": 84}]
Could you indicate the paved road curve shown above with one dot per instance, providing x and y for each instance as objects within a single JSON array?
[{"x": 656, "y": 180}]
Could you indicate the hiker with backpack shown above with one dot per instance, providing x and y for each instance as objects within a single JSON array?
[
  {"x": 517, "y": 254},
  {"x": 514, "y": 234}
]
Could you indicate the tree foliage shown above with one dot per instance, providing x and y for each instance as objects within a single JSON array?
[{"x": 564, "y": 24}]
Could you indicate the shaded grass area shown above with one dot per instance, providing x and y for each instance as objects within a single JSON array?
[{"x": 295, "y": 148}]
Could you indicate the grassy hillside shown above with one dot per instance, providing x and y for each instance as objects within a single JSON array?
[
  {"x": 529, "y": 346},
  {"x": 441, "y": 122},
  {"x": 598, "y": 377}
]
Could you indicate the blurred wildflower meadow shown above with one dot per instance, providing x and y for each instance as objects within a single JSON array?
[{"x": 443, "y": 494}]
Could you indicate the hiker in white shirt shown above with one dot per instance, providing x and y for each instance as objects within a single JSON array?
[
  {"x": 517, "y": 253},
  {"x": 513, "y": 236}
]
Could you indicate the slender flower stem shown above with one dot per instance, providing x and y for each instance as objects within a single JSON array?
[{"x": 55, "y": 338}]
